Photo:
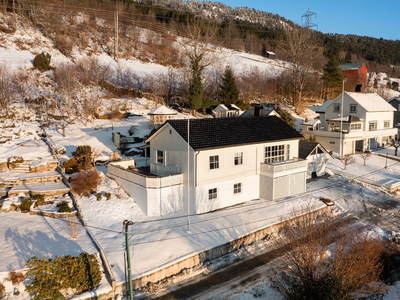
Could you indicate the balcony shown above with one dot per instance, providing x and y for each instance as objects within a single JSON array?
[
  {"x": 283, "y": 168},
  {"x": 141, "y": 176},
  {"x": 353, "y": 134}
]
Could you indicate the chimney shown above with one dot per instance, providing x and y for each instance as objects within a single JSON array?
[
  {"x": 358, "y": 88},
  {"x": 258, "y": 110}
]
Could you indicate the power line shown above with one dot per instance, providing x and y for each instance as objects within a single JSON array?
[{"x": 307, "y": 16}]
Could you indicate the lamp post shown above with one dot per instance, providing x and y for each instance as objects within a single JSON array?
[
  {"x": 341, "y": 123},
  {"x": 128, "y": 256}
]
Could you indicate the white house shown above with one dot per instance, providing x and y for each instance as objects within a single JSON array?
[
  {"x": 367, "y": 123},
  {"x": 316, "y": 155},
  {"x": 227, "y": 161},
  {"x": 226, "y": 110},
  {"x": 395, "y": 102},
  {"x": 261, "y": 110},
  {"x": 161, "y": 114}
]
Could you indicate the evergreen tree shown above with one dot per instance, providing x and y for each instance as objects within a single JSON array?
[
  {"x": 332, "y": 76},
  {"x": 286, "y": 116},
  {"x": 347, "y": 59},
  {"x": 196, "y": 88},
  {"x": 228, "y": 91}
]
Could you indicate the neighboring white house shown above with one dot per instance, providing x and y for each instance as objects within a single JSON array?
[
  {"x": 228, "y": 161},
  {"x": 317, "y": 157},
  {"x": 395, "y": 102},
  {"x": 367, "y": 123},
  {"x": 161, "y": 114},
  {"x": 226, "y": 110}
]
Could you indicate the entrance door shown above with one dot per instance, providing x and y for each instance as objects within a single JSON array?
[
  {"x": 372, "y": 143},
  {"x": 359, "y": 146}
]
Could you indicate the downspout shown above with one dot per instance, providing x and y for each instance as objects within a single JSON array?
[{"x": 195, "y": 169}]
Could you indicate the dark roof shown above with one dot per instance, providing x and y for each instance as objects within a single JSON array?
[
  {"x": 224, "y": 132},
  {"x": 230, "y": 107},
  {"x": 306, "y": 147},
  {"x": 348, "y": 67}
]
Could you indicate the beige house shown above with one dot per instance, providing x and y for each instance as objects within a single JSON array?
[
  {"x": 226, "y": 162},
  {"x": 367, "y": 123},
  {"x": 161, "y": 114}
]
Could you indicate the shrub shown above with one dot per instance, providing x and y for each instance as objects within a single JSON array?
[
  {"x": 108, "y": 196},
  {"x": 39, "y": 199},
  {"x": 16, "y": 293},
  {"x": 86, "y": 182},
  {"x": 70, "y": 166},
  {"x": 132, "y": 130},
  {"x": 83, "y": 156},
  {"x": 66, "y": 272},
  {"x": 42, "y": 62},
  {"x": 99, "y": 196},
  {"x": 64, "y": 207},
  {"x": 2, "y": 290},
  {"x": 16, "y": 277},
  {"x": 26, "y": 205}
]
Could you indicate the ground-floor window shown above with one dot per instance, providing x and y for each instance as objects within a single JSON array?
[
  {"x": 237, "y": 188},
  {"x": 212, "y": 194}
]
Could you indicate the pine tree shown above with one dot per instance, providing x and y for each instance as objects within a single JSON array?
[
  {"x": 286, "y": 116},
  {"x": 196, "y": 88},
  {"x": 332, "y": 76},
  {"x": 228, "y": 91}
]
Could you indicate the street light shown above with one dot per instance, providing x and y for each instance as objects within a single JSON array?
[{"x": 341, "y": 123}]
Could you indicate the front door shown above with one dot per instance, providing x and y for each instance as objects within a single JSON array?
[{"x": 359, "y": 146}]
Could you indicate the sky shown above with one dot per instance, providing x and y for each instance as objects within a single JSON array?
[{"x": 366, "y": 18}]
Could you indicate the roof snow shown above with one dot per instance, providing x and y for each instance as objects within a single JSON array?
[
  {"x": 162, "y": 110},
  {"x": 321, "y": 109},
  {"x": 371, "y": 101}
]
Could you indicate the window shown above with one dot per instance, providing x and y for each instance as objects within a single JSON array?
[
  {"x": 334, "y": 126},
  {"x": 332, "y": 142},
  {"x": 214, "y": 162},
  {"x": 336, "y": 107},
  {"x": 353, "y": 108},
  {"x": 160, "y": 157},
  {"x": 287, "y": 152},
  {"x": 386, "y": 124},
  {"x": 238, "y": 158},
  {"x": 276, "y": 153},
  {"x": 356, "y": 126},
  {"x": 212, "y": 194},
  {"x": 237, "y": 188},
  {"x": 373, "y": 126}
]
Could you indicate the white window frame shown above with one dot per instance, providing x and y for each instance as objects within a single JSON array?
[
  {"x": 276, "y": 153},
  {"x": 355, "y": 126},
  {"x": 162, "y": 160},
  {"x": 353, "y": 111},
  {"x": 213, "y": 194},
  {"x": 238, "y": 159},
  {"x": 336, "y": 107},
  {"x": 237, "y": 188},
  {"x": 374, "y": 126},
  {"x": 387, "y": 122},
  {"x": 214, "y": 162}
]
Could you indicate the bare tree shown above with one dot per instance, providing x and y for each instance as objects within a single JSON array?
[
  {"x": 301, "y": 48},
  {"x": 326, "y": 256},
  {"x": 6, "y": 85},
  {"x": 396, "y": 145},
  {"x": 65, "y": 77},
  {"x": 365, "y": 156},
  {"x": 347, "y": 159},
  {"x": 73, "y": 226}
]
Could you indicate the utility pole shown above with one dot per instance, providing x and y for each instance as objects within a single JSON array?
[
  {"x": 116, "y": 35},
  {"x": 128, "y": 257},
  {"x": 308, "y": 16}
]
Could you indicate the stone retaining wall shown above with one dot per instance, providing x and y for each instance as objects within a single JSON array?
[{"x": 55, "y": 215}]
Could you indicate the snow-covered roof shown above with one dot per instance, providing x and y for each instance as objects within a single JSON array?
[
  {"x": 321, "y": 109},
  {"x": 162, "y": 110},
  {"x": 371, "y": 101},
  {"x": 311, "y": 122},
  {"x": 270, "y": 52}
]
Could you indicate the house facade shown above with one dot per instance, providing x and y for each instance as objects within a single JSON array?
[
  {"x": 226, "y": 162},
  {"x": 395, "y": 102},
  {"x": 226, "y": 111},
  {"x": 160, "y": 115},
  {"x": 367, "y": 123}
]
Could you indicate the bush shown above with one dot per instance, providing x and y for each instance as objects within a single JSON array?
[
  {"x": 26, "y": 205},
  {"x": 39, "y": 199},
  {"x": 108, "y": 196},
  {"x": 99, "y": 196},
  {"x": 132, "y": 130},
  {"x": 86, "y": 182},
  {"x": 70, "y": 166},
  {"x": 42, "y": 62},
  {"x": 16, "y": 277},
  {"x": 67, "y": 272},
  {"x": 83, "y": 156},
  {"x": 64, "y": 207},
  {"x": 2, "y": 290}
]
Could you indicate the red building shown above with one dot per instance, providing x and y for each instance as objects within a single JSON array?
[{"x": 356, "y": 74}]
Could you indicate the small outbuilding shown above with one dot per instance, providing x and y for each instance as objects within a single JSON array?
[
  {"x": 161, "y": 114},
  {"x": 316, "y": 155}
]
